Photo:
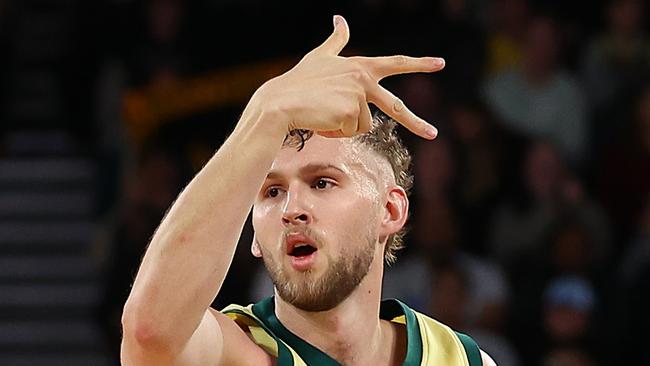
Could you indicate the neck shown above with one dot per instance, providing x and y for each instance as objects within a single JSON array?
[{"x": 352, "y": 332}]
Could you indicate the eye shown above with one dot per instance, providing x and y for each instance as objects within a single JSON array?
[
  {"x": 322, "y": 184},
  {"x": 272, "y": 192}
]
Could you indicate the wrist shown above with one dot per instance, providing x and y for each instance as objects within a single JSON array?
[
  {"x": 264, "y": 119},
  {"x": 263, "y": 109}
]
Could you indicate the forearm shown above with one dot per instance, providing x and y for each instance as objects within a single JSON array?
[{"x": 190, "y": 253}]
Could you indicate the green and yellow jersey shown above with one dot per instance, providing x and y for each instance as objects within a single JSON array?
[{"x": 428, "y": 342}]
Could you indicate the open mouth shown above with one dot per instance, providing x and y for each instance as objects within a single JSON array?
[{"x": 302, "y": 250}]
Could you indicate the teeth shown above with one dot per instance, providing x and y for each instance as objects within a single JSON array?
[{"x": 301, "y": 245}]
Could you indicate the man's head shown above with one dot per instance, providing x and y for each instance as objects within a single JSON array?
[
  {"x": 569, "y": 302},
  {"x": 329, "y": 211}
]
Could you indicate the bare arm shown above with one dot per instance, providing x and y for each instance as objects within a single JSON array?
[
  {"x": 191, "y": 251},
  {"x": 167, "y": 319}
]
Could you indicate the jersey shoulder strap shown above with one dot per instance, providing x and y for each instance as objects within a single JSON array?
[
  {"x": 443, "y": 346},
  {"x": 471, "y": 349},
  {"x": 262, "y": 336}
]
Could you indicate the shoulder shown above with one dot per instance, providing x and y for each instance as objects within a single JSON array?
[
  {"x": 459, "y": 347},
  {"x": 239, "y": 348},
  {"x": 442, "y": 334}
]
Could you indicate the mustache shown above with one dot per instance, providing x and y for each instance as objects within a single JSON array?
[
  {"x": 302, "y": 230},
  {"x": 305, "y": 231}
]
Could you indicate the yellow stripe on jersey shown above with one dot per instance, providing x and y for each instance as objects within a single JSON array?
[
  {"x": 244, "y": 316},
  {"x": 440, "y": 345}
]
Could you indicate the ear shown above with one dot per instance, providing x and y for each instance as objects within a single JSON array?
[
  {"x": 255, "y": 248},
  {"x": 395, "y": 212}
]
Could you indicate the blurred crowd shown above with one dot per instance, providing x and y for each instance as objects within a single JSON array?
[{"x": 530, "y": 215}]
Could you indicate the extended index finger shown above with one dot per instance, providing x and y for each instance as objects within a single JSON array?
[
  {"x": 395, "y": 108},
  {"x": 381, "y": 67}
]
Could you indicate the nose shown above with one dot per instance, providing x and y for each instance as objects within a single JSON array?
[{"x": 295, "y": 211}]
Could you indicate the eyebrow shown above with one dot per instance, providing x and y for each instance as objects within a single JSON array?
[{"x": 307, "y": 169}]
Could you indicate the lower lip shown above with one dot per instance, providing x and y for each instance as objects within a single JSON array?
[{"x": 304, "y": 262}]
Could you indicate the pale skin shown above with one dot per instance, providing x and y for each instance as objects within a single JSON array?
[{"x": 167, "y": 319}]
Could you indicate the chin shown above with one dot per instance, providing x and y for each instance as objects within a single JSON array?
[{"x": 315, "y": 304}]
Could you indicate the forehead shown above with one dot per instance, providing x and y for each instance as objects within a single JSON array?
[{"x": 339, "y": 152}]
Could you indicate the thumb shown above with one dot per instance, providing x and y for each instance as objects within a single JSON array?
[{"x": 335, "y": 43}]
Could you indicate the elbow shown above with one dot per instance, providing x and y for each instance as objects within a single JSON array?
[
  {"x": 142, "y": 344},
  {"x": 139, "y": 329}
]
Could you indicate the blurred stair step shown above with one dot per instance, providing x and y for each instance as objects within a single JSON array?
[
  {"x": 41, "y": 295},
  {"x": 46, "y": 170},
  {"x": 54, "y": 359},
  {"x": 27, "y": 203},
  {"x": 50, "y": 335},
  {"x": 54, "y": 233},
  {"x": 47, "y": 268}
]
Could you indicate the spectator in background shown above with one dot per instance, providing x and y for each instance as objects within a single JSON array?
[
  {"x": 538, "y": 99},
  {"x": 566, "y": 271},
  {"x": 569, "y": 303},
  {"x": 484, "y": 161},
  {"x": 436, "y": 242},
  {"x": 449, "y": 295},
  {"x": 508, "y": 21},
  {"x": 615, "y": 61},
  {"x": 550, "y": 190},
  {"x": 573, "y": 248},
  {"x": 450, "y": 299},
  {"x": 568, "y": 356}
]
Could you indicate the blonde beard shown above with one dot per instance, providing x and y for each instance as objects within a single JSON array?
[{"x": 335, "y": 285}]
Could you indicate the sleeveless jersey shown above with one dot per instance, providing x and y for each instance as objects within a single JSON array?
[{"x": 429, "y": 342}]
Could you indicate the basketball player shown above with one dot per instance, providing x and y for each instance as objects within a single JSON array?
[{"x": 329, "y": 203}]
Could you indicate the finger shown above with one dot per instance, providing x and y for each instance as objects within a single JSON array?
[
  {"x": 335, "y": 43},
  {"x": 331, "y": 134},
  {"x": 395, "y": 108},
  {"x": 381, "y": 67},
  {"x": 365, "y": 118},
  {"x": 362, "y": 126},
  {"x": 350, "y": 127}
]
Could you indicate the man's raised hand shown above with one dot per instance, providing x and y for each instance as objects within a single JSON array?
[{"x": 329, "y": 94}]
